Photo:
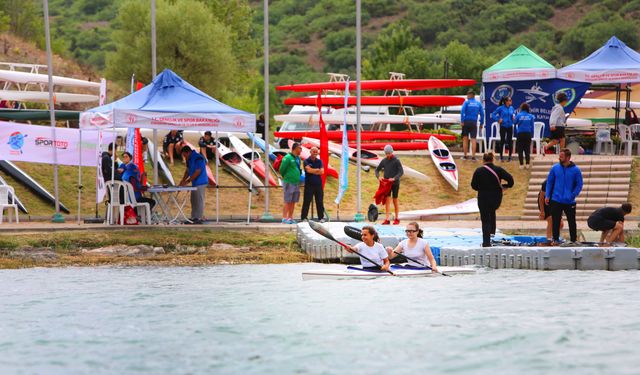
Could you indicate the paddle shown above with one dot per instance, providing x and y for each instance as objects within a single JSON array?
[
  {"x": 356, "y": 233},
  {"x": 325, "y": 232}
]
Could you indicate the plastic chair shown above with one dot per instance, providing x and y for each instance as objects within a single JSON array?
[
  {"x": 481, "y": 139},
  {"x": 494, "y": 137},
  {"x": 5, "y": 202},
  {"x": 538, "y": 131},
  {"x": 603, "y": 140},
  {"x": 626, "y": 141},
  {"x": 123, "y": 190}
]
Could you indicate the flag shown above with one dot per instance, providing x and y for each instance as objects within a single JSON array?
[
  {"x": 134, "y": 145},
  {"x": 324, "y": 141},
  {"x": 344, "y": 163}
]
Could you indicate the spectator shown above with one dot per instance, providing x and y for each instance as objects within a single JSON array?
[
  {"x": 131, "y": 174},
  {"x": 260, "y": 126},
  {"x": 392, "y": 172},
  {"x": 313, "y": 185},
  {"x": 610, "y": 220},
  {"x": 487, "y": 181},
  {"x": 207, "y": 146},
  {"x": 290, "y": 172},
  {"x": 557, "y": 123},
  {"x": 469, "y": 113},
  {"x": 108, "y": 165},
  {"x": 545, "y": 211},
  {"x": 564, "y": 183},
  {"x": 169, "y": 144},
  {"x": 195, "y": 173},
  {"x": 145, "y": 148},
  {"x": 504, "y": 114},
  {"x": 524, "y": 132}
]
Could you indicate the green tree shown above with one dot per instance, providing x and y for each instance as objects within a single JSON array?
[
  {"x": 190, "y": 41},
  {"x": 382, "y": 54},
  {"x": 25, "y": 19}
]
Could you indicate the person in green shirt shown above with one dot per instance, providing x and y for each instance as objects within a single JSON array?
[{"x": 290, "y": 172}]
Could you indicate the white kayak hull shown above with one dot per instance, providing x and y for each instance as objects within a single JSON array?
[
  {"x": 443, "y": 161},
  {"x": 43, "y": 97},
  {"x": 251, "y": 158},
  {"x": 368, "y": 158},
  {"x": 36, "y": 78},
  {"x": 234, "y": 162},
  {"x": 352, "y": 273}
]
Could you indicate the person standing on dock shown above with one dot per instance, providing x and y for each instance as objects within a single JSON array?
[
  {"x": 313, "y": 185},
  {"x": 487, "y": 181},
  {"x": 610, "y": 220},
  {"x": 471, "y": 110},
  {"x": 564, "y": 183},
  {"x": 196, "y": 173},
  {"x": 290, "y": 172},
  {"x": 392, "y": 172}
]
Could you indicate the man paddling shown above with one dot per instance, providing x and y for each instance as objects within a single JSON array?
[
  {"x": 471, "y": 110},
  {"x": 392, "y": 172}
]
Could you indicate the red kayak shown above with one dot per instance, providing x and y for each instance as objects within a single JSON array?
[
  {"x": 397, "y": 146},
  {"x": 415, "y": 100},
  {"x": 404, "y": 84},
  {"x": 306, "y": 153},
  {"x": 336, "y": 135}
]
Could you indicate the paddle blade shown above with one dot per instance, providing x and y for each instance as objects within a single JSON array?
[
  {"x": 353, "y": 232},
  {"x": 320, "y": 229},
  {"x": 372, "y": 212}
]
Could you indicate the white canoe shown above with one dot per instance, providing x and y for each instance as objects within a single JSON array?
[
  {"x": 251, "y": 157},
  {"x": 35, "y": 78},
  {"x": 234, "y": 162},
  {"x": 467, "y": 207},
  {"x": 443, "y": 160},
  {"x": 367, "y": 157},
  {"x": 43, "y": 97},
  {"x": 338, "y": 118},
  {"x": 357, "y": 273}
]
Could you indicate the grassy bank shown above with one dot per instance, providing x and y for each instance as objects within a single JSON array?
[{"x": 180, "y": 248}]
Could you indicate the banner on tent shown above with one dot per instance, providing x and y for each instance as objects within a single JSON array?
[
  {"x": 33, "y": 143},
  {"x": 539, "y": 94},
  {"x": 169, "y": 120}
]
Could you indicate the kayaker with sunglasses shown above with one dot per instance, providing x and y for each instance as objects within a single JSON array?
[
  {"x": 370, "y": 248},
  {"x": 414, "y": 247}
]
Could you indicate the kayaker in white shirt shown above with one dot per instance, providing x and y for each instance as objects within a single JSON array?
[
  {"x": 414, "y": 247},
  {"x": 372, "y": 250}
]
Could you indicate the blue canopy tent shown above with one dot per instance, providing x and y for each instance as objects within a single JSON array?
[
  {"x": 613, "y": 63},
  {"x": 169, "y": 103},
  {"x": 528, "y": 78}
]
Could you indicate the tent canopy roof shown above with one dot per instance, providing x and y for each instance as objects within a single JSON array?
[
  {"x": 521, "y": 58},
  {"x": 521, "y": 64},
  {"x": 612, "y": 63}
]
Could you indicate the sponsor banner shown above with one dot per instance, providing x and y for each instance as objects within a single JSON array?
[
  {"x": 518, "y": 75},
  {"x": 601, "y": 76},
  {"x": 539, "y": 94},
  {"x": 169, "y": 120},
  {"x": 33, "y": 143}
]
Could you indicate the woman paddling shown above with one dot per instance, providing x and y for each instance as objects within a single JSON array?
[
  {"x": 372, "y": 250},
  {"x": 414, "y": 247}
]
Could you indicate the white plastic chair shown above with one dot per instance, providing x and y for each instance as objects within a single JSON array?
[
  {"x": 124, "y": 189},
  {"x": 538, "y": 130},
  {"x": 626, "y": 141},
  {"x": 481, "y": 139},
  {"x": 494, "y": 136},
  {"x": 5, "y": 203},
  {"x": 604, "y": 143}
]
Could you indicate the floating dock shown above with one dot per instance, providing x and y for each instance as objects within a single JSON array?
[{"x": 461, "y": 247}]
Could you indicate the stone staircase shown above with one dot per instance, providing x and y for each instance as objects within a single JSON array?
[{"x": 606, "y": 182}]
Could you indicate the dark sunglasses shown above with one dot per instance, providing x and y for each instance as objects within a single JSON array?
[{"x": 410, "y": 230}]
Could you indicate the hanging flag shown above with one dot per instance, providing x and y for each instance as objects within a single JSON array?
[
  {"x": 344, "y": 164},
  {"x": 134, "y": 143},
  {"x": 324, "y": 141}
]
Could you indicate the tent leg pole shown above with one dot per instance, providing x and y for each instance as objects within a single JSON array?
[
  {"x": 79, "y": 176},
  {"x": 217, "y": 181}
]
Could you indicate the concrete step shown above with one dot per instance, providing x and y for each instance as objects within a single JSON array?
[
  {"x": 533, "y": 202},
  {"x": 584, "y": 169},
  {"x": 591, "y": 187},
  {"x": 579, "y": 212},
  {"x": 594, "y": 160},
  {"x": 591, "y": 180},
  {"x": 581, "y": 205},
  {"x": 533, "y": 192},
  {"x": 621, "y": 173}
]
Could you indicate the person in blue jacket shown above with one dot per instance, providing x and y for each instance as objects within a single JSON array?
[
  {"x": 504, "y": 115},
  {"x": 564, "y": 183},
  {"x": 471, "y": 109},
  {"x": 131, "y": 174},
  {"x": 524, "y": 132}
]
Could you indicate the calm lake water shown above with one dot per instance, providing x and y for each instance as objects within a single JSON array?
[{"x": 263, "y": 319}]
